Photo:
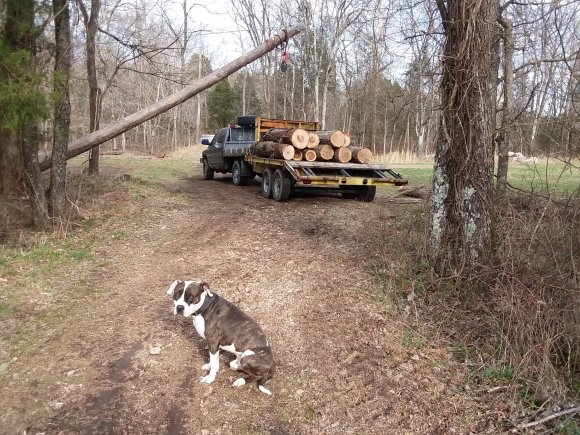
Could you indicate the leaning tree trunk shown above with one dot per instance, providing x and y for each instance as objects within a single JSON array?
[
  {"x": 61, "y": 106},
  {"x": 85, "y": 143},
  {"x": 461, "y": 206}
]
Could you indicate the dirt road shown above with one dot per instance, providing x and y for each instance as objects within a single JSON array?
[{"x": 345, "y": 363}]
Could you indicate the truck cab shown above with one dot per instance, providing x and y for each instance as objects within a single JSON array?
[{"x": 226, "y": 150}]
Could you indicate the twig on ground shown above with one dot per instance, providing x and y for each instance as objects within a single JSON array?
[{"x": 549, "y": 417}]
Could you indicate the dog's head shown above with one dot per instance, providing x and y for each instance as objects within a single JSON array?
[{"x": 188, "y": 296}]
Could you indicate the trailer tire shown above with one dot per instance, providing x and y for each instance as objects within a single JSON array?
[
  {"x": 206, "y": 170},
  {"x": 347, "y": 192},
  {"x": 237, "y": 177},
  {"x": 367, "y": 193},
  {"x": 281, "y": 186},
  {"x": 267, "y": 180}
]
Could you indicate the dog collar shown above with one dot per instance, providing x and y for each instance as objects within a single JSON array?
[{"x": 206, "y": 303}]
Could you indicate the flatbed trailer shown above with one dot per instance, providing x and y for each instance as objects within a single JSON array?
[
  {"x": 230, "y": 152},
  {"x": 351, "y": 180}
]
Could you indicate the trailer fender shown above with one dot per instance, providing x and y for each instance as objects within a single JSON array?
[{"x": 247, "y": 170}]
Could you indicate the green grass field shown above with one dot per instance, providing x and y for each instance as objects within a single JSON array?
[{"x": 544, "y": 177}]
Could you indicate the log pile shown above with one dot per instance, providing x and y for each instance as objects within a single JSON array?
[{"x": 299, "y": 144}]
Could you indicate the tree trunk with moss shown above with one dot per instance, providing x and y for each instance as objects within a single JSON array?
[{"x": 461, "y": 205}]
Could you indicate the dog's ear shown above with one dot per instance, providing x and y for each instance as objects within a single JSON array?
[
  {"x": 172, "y": 287},
  {"x": 205, "y": 287}
]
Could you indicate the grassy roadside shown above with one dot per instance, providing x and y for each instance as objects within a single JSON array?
[{"x": 544, "y": 177}]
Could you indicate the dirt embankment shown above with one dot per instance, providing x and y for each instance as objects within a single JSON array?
[{"x": 345, "y": 363}]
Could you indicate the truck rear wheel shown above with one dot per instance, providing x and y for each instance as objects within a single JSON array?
[
  {"x": 207, "y": 171},
  {"x": 367, "y": 193},
  {"x": 237, "y": 177},
  {"x": 267, "y": 180},
  {"x": 281, "y": 186}
]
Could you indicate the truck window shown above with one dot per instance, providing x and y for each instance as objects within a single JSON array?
[
  {"x": 241, "y": 135},
  {"x": 236, "y": 134},
  {"x": 220, "y": 138}
]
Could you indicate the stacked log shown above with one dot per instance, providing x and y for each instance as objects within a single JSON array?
[
  {"x": 299, "y": 144},
  {"x": 342, "y": 155},
  {"x": 309, "y": 155},
  {"x": 313, "y": 140},
  {"x": 292, "y": 136},
  {"x": 334, "y": 138},
  {"x": 273, "y": 150},
  {"x": 324, "y": 152},
  {"x": 361, "y": 154}
]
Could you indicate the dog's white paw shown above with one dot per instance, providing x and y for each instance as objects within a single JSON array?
[
  {"x": 239, "y": 382},
  {"x": 206, "y": 367},
  {"x": 235, "y": 365},
  {"x": 208, "y": 379}
]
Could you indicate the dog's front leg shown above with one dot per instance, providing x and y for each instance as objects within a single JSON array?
[{"x": 214, "y": 365}]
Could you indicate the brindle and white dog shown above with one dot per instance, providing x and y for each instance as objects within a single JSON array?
[{"x": 226, "y": 327}]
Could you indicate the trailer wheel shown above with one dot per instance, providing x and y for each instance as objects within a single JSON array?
[
  {"x": 267, "y": 180},
  {"x": 207, "y": 171},
  {"x": 348, "y": 194},
  {"x": 281, "y": 186},
  {"x": 237, "y": 177},
  {"x": 367, "y": 193}
]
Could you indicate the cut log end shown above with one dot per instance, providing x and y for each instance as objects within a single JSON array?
[
  {"x": 298, "y": 154},
  {"x": 273, "y": 150},
  {"x": 300, "y": 138},
  {"x": 335, "y": 138},
  {"x": 324, "y": 152},
  {"x": 309, "y": 155},
  {"x": 342, "y": 155},
  {"x": 313, "y": 140},
  {"x": 360, "y": 154}
]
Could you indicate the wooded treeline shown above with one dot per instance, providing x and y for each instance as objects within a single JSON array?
[{"x": 371, "y": 69}]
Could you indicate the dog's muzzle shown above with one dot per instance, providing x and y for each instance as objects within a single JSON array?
[{"x": 179, "y": 309}]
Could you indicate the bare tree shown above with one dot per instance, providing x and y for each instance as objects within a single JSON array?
[
  {"x": 461, "y": 207},
  {"x": 91, "y": 21},
  {"x": 62, "y": 65}
]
